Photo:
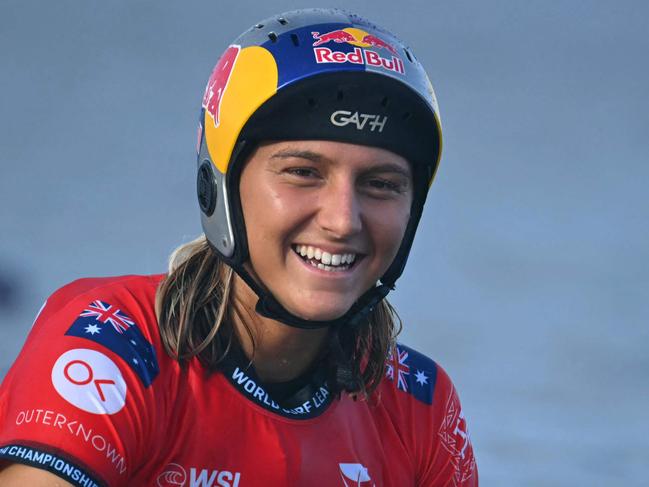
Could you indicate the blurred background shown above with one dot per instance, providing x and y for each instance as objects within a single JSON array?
[{"x": 529, "y": 278}]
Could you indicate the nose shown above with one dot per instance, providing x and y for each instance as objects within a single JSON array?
[{"x": 339, "y": 212}]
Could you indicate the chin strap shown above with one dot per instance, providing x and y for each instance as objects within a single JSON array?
[
  {"x": 269, "y": 307},
  {"x": 344, "y": 372}
]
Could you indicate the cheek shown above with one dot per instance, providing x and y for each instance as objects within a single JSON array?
[
  {"x": 272, "y": 217},
  {"x": 390, "y": 228}
]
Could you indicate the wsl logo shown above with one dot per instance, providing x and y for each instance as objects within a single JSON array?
[{"x": 175, "y": 475}]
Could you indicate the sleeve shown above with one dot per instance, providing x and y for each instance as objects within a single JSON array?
[
  {"x": 447, "y": 457},
  {"x": 78, "y": 399}
]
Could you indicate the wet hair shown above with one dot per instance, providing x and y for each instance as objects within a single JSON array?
[{"x": 194, "y": 309}]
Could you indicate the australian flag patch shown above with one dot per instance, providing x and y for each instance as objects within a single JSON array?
[
  {"x": 412, "y": 372},
  {"x": 109, "y": 326}
]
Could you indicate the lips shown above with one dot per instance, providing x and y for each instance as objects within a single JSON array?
[{"x": 324, "y": 260}]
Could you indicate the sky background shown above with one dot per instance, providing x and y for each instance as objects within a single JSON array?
[{"x": 529, "y": 277}]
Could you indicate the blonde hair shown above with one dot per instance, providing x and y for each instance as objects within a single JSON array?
[{"x": 193, "y": 310}]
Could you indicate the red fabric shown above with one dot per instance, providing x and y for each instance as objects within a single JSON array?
[{"x": 187, "y": 429}]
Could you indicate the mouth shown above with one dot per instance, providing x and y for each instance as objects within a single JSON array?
[{"x": 326, "y": 261}]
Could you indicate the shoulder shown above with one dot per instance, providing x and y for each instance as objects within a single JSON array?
[
  {"x": 413, "y": 375},
  {"x": 132, "y": 289},
  {"x": 423, "y": 403},
  {"x": 89, "y": 365},
  {"x": 112, "y": 300}
]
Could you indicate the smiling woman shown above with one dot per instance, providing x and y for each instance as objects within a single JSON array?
[
  {"x": 340, "y": 200},
  {"x": 268, "y": 350}
]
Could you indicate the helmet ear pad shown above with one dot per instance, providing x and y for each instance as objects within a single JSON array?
[
  {"x": 214, "y": 203},
  {"x": 206, "y": 188}
]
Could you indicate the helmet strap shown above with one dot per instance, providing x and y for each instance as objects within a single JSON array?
[{"x": 268, "y": 307}]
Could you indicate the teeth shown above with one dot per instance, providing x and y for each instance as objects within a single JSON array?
[{"x": 326, "y": 260}]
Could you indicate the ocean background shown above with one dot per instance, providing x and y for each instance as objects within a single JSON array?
[{"x": 529, "y": 277}]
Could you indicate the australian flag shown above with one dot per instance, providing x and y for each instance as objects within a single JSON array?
[
  {"x": 109, "y": 326},
  {"x": 412, "y": 372}
]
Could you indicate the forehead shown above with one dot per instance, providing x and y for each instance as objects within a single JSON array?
[{"x": 332, "y": 153}]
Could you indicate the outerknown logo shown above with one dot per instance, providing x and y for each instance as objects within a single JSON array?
[
  {"x": 79, "y": 432},
  {"x": 89, "y": 380},
  {"x": 360, "y": 120},
  {"x": 175, "y": 475}
]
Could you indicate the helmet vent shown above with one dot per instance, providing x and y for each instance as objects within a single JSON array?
[
  {"x": 272, "y": 36},
  {"x": 408, "y": 55},
  {"x": 282, "y": 20},
  {"x": 340, "y": 95},
  {"x": 312, "y": 103},
  {"x": 385, "y": 102},
  {"x": 295, "y": 40},
  {"x": 259, "y": 26},
  {"x": 406, "y": 116}
]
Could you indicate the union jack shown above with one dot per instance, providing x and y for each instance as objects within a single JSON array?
[
  {"x": 397, "y": 362},
  {"x": 104, "y": 312}
]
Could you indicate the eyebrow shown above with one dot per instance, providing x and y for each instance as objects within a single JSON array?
[
  {"x": 302, "y": 154},
  {"x": 316, "y": 157}
]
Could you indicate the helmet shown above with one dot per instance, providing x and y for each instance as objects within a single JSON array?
[{"x": 312, "y": 74}]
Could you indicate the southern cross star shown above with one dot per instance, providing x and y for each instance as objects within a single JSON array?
[
  {"x": 92, "y": 329},
  {"x": 421, "y": 377}
]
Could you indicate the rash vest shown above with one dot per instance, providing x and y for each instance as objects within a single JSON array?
[{"x": 94, "y": 398}]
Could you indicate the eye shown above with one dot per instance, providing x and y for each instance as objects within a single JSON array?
[
  {"x": 385, "y": 187},
  {"x": 302, "y": 172},
  {"x": 384, "y": 184}
]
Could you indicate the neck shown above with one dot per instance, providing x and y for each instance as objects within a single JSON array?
[{"x": 279, "y": 352}]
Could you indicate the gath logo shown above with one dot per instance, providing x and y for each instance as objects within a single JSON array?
[
  {"x": 343, "y": 117},
  {"x": 354, "y": 474},
  {"x": 90, "y": 381},
  {"x": 360, "y": 55},
  {"x": 218, "y": 82}
]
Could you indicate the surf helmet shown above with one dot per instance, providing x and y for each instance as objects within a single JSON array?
[{"x": 313, "y": 74}]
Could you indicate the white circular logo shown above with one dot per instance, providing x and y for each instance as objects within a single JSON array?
[
  {"x": 174, "y": 475},
  {"x": 89, "y": 380}
]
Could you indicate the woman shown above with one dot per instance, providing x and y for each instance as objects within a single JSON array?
[{"x": 260, "y": 358}]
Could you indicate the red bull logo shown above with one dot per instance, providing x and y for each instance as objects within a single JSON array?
[
  {"x": 362, "y": 41},
  {"x": 218, "y": 82}
]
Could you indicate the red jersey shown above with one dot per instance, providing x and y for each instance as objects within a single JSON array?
[{"x": 94, "y": 398}]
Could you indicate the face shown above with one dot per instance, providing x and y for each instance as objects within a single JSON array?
[{"x": 324, "y": 221}]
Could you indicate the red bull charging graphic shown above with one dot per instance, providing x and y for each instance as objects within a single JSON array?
[
  {"x": 362, "y": 42},
  {"x": 218, "y": 82}
]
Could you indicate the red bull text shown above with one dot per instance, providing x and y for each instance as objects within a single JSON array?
[{"x": 361, "y": 54}]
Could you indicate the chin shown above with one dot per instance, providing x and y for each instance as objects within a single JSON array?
[{"x": 319, "y": 313}]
